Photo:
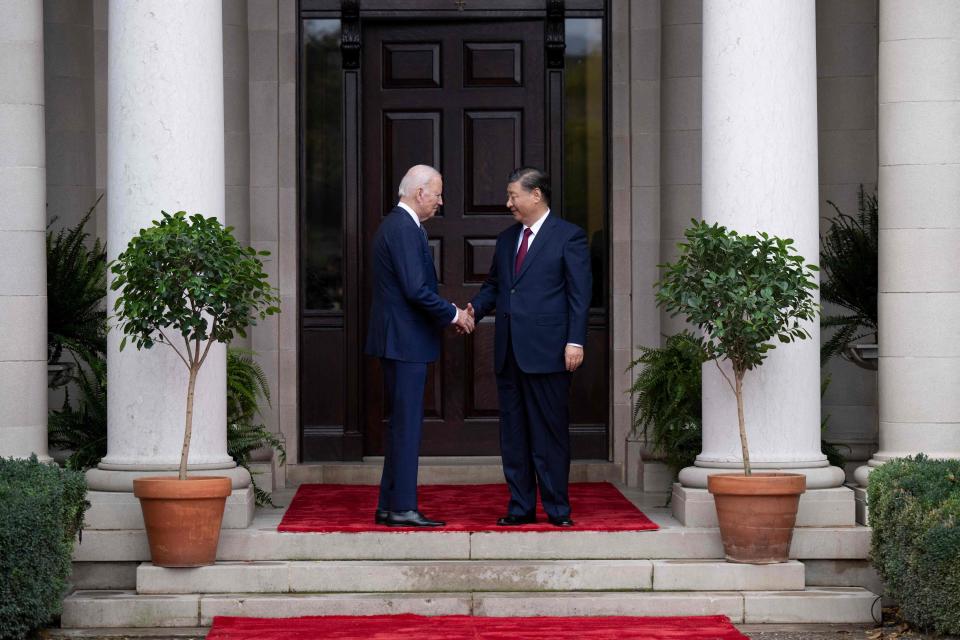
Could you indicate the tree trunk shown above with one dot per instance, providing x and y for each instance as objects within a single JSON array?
[
  {"x": 188, "y": 426},
  {"x": 743, "y": 425}
]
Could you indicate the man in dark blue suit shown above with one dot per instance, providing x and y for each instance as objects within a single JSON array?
[
  {"x": 539, "y": 284},
  {"x": 407, "y": 319}
]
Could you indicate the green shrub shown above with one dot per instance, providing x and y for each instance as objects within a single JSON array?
[
  {"x": 915, "y": 515},
  {"x": 41, "y": 510}
]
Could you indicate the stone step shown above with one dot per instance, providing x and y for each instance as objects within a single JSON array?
[
  {"x": 470, "y": 576},
  {"x": 111, "y": 609},
  {"x": 263, "y": 542}
]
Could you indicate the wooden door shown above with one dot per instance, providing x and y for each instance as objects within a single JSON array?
[{"x": 468, "y": 99}]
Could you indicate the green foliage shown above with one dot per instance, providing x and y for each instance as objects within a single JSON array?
[
  {"x": 915, "y": 514},
  {"x": 76, "y": 286},
  {"x": 189, "y": 276},
  {"x": 41, "y": 510},
  {"x": 246, "y": 385},
  {"x": 667, "y": 399},
  {"x": 848, "y": 257},
  {"x": 82, "y": 430},
  {"x": 741, "y": 291},
  {"x": 667, "y": 402}
]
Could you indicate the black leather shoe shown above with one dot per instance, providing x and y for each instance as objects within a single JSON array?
[
  {"x": 511, "y": 520},
  {"x": 380, "y": 517},
  {"x": 561, "y": 521},
  {"x": 411, "y": 519}
]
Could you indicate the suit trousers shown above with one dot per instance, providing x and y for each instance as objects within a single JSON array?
[
  {"x": 534, "y": 437},
  {"x": 404, "y": 382}
]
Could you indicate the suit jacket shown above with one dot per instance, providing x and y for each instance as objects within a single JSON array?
[
  {"x": 546, "y": 305},
  {"x": 407, "y": 316}
]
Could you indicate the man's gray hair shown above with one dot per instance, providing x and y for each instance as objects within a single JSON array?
[{"x": 417, "y": 176}]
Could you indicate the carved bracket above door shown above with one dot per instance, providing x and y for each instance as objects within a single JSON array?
[
  {"x": 555, "y": 34},
  {"x": 350, "y": 33}
]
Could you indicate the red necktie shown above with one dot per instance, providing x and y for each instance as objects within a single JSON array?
[{"x": 522, "y": 253}]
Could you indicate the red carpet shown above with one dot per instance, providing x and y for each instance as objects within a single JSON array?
[
  {"x": 409, "y": 627},
  {"x": 327, "y": 508}
]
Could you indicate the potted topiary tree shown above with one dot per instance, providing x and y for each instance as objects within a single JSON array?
[
  {"x": 186, "y": 282},
  {"x": 742, "y": 291}
]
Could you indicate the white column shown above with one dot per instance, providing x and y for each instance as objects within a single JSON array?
[
  {"x": 919, "y": 188},
  {"x": 759, "y": 168},
  {"x": 23, "y": 265},
  {"x": 165, "y": 150}
]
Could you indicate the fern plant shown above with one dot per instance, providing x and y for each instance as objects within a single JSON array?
[
  {"x": 667, "y": 399},
  {"x": 246, "y": 385},
  {"x": 848, "y": 260},
  {"x": 82, "y": 429},
  {"x": 76, "y": 287}
]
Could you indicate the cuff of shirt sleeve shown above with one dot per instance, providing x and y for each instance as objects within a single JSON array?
[
  {"x": 574, "y": 344},
  {"x": 456, "y": 314}
]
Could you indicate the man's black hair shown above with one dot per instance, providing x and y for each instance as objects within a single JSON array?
[{"x": 531, "y": 178}]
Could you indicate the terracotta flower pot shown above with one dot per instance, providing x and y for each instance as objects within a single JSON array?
[
  {"x": 182, "y": 517},
  {"x": 757, "y": 514}
]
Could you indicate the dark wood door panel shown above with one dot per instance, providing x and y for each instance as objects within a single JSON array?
[
  {"x": 493, "y": 64},
  {"x": 484, "y": 119},
  {"x": 469, "y": 98},
  {"x": 409, "y": 138},
  {"x": 481, "y": 382},
  {"x": 411, "y": 65},
  {"x": 492, "y": 140}
]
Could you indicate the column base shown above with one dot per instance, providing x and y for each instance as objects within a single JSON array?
[
  {"x": 817, "y": 477},
  {"x": 862, "y": 474},
  {"x": 834, "y": 507},
  {"x": 122, "y": 480},
  {"x": 121, "y": 510}
]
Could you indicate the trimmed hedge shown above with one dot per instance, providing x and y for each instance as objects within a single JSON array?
[
  {"x": 915, "y": 515},
  {"x": 41, "y": 510}
]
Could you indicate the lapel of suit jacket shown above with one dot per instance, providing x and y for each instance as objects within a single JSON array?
[
  {"x": 510, "y": 255},
  {"x": 538, "y": 242},
  {"x": 406, "y": 219}
]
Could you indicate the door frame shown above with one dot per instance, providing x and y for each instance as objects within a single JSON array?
[{"x": 348, "y": 440}]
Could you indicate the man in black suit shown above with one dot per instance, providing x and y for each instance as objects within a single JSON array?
[
  {"x": 540, "y": 285},
  {"x": 407, "y": 319}
]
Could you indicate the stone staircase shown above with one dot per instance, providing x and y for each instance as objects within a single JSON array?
[{"x": 676, "y": 570}]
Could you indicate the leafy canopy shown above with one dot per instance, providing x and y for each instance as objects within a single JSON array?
[
  {"x": 741, "y": 291},
  {"x": 189, "y": 275}
]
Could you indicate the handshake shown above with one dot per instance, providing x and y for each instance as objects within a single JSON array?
[{"x": 465, "y": 321}]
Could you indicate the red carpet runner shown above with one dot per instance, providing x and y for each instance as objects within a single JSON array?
[
  {"x": 327, "y": 508},
  {"x": 410, "y": 627}
]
